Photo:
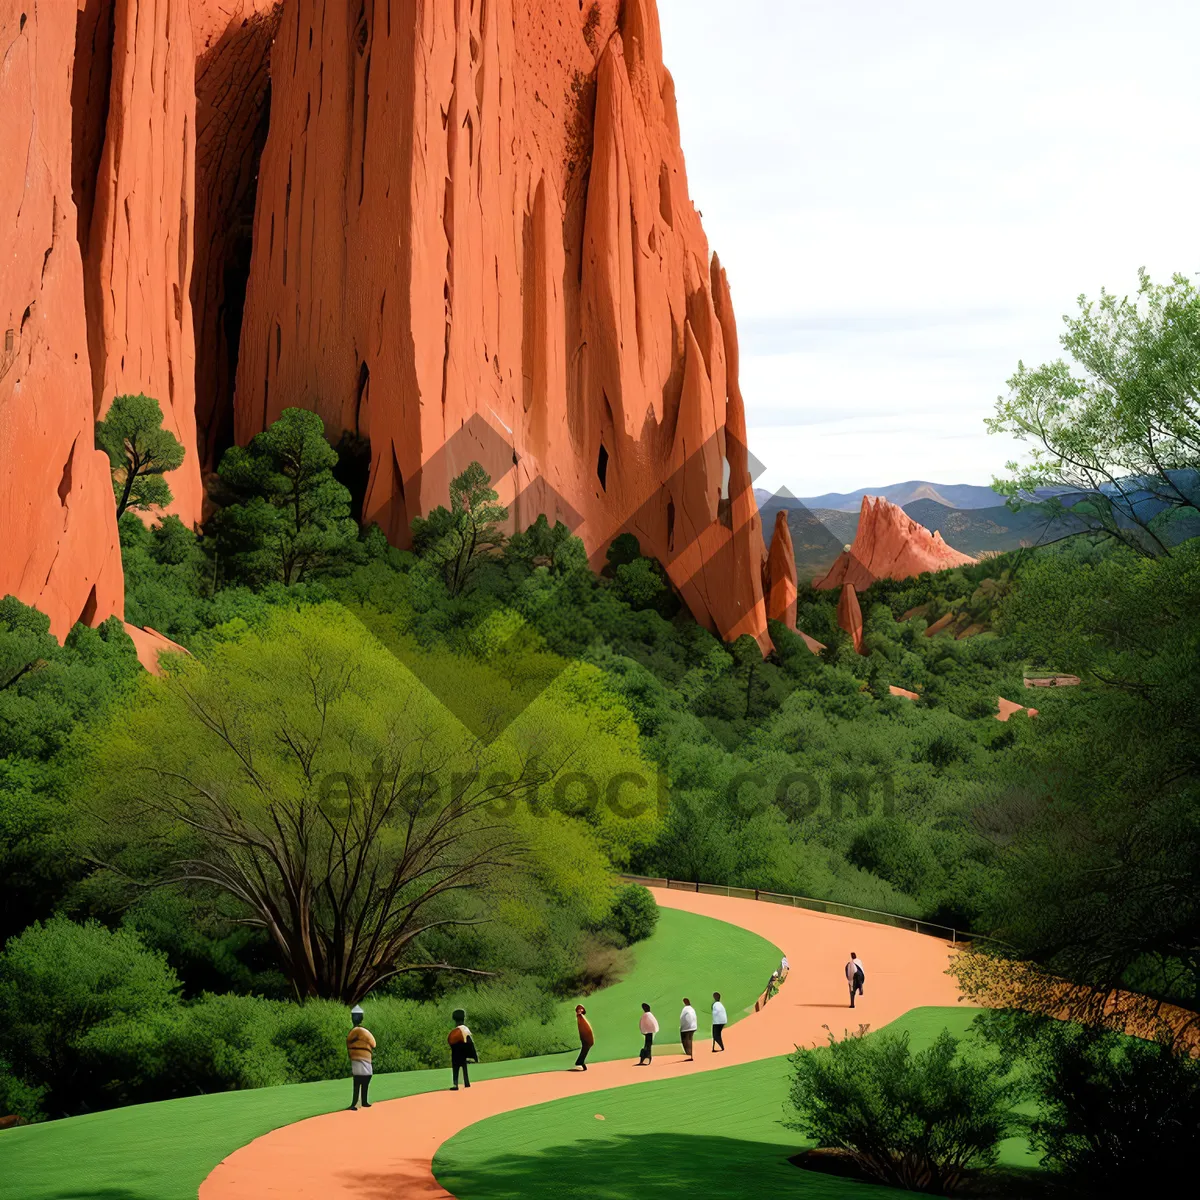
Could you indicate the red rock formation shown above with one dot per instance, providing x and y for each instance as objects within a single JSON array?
[
  {"x": 137, "y": 254},
  {"x": 849, "y": 615},
  {"x": 469, "y": 209},
  {"x": 149, "y": 644},
  {"x": 903, "y": 693},
  {"x": 811, "y": 642},
  {"x": 232, "y": 40},
  {"x": 889, "y": 544},
  {"x": 1009, "y": 707},
  {"x": 58, "y": 533},
  {"x": 779, "y": 575},
  {"x": 472, "y": 239}
]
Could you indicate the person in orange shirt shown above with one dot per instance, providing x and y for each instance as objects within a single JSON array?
[
  {"x": 360, "y": 1042},
  {"x": 587, "y": 1039}
]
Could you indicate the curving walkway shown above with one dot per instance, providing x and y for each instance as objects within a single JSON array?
[{"x": 387, "y": 1152}]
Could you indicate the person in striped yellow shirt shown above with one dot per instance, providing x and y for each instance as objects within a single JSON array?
[{"x": 360, "y": 1041}]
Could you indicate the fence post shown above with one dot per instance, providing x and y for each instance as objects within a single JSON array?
[
  {"x": 756, "y": 893},
  {"x": 697, "y": 887}
]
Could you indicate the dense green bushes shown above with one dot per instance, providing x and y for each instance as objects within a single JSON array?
[
  {"x": 634, "y": 913},
  {"x": 923, "y": 1121}
]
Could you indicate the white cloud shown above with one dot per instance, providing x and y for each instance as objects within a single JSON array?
[{"x": 907, "y": 197}]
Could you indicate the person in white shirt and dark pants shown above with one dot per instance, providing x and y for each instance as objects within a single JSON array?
[
  {"x": 855, "y": 976},
  {"x": 687, "y": 1027},
  {"x": 719, "y": 1021},
  {"x": 649, "y": 1027}
]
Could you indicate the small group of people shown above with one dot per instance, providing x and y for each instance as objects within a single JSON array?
[
  {"x": 688, "y": 1022},
  {"x": 360, "y": 1042}
]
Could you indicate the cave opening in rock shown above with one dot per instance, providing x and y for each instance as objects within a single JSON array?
[
  {"x": 602, "y": 467},
  {"x": 353, "y": 470},
  {"x": 233, "y": 112}
]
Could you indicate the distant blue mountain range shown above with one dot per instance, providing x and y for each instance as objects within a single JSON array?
[{"x": 952, "y": 495}]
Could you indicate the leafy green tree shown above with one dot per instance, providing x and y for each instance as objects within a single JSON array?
[
  {"x": 46, "y": 692},
  {"x": 1125, "y": 431},
  {"x": 308, "y": 776},
  {"x": 460, "y": 539},
  {"x": 140, "y": 451},
  {"x": 1095, "y": 818},
  {"x": 61, "y": 984},
  {"x": 1111, "y": 1110},
  {"x": 922, "y": 1121},
  {"x": 635, "y": 912},
  {"x": 286, "y": 518}
]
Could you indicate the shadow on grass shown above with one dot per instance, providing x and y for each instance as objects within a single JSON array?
[{"x": 638, "y": 1167}]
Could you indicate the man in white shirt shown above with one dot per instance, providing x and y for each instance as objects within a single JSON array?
[
  {"x": 687, "y": 1027},
  {"x": 649, "y": 1027},
  {"x": 719, "y": 1021},
  {"x": 855, "y": 976},
  {"x": 783, "y": 966}
]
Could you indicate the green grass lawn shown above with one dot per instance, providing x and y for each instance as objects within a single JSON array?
[
  {"x": 687, "y": 956},
  {"x": 164, "y": 1151},
  {"x": 717, "y": 1134}
]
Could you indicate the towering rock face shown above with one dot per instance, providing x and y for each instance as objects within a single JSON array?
[
  {"x": 135, "y": 184},
  {"x": 232, "y": 41},
  {"x": 779, "y": 575},
  {"x": 889, "y": 545},
  {"x": 58, "y": 533},
  {"x": 473, "y": 240},
  {"x": 456, "y": 229}
]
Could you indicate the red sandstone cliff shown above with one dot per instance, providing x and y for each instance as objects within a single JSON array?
[
  {"x": 481, "y": 210},
  {"x": 849, "y": 615},
  {"x": 58, "y": 532},
  {"x": 889, "y": 545},
  {"x": 469, "y": 237}
]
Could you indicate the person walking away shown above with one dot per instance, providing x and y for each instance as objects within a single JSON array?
[
  {"x": 783, "y": 968},
  {"x": 854, "y": 976},
  {"x": 719, "y": 1021},
  {"x": 687, "y": 1027},
  {"x": 649, "y": 1027},
  {"x": 359, "y": 1042},
  {"x": 462, "y": 1048},
  {"x": 587, "y": 1039}
]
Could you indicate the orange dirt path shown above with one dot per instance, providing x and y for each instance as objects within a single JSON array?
[{"x": 387, "y": 1152}]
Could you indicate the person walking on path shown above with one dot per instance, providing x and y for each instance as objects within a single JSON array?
[
  {"x": 587, "y": 1039},
  {"x": 360, "y": 1042},
  {"x": 649, "y": 1027},
  {"x": 855, "y": 976},
  {"x": 687, "y": 1027},
  {"x": 719, "y": 1021},
  {"x": 462, "y": 1048}
]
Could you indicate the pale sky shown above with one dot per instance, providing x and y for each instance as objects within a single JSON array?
[{"x": 908, "y": 195}]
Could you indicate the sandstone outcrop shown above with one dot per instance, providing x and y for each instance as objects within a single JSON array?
[
  {"x": 481, "y": 211},
  {"x": 456, "y": 230},
  {"x": 58, "y": 532},
  {"x": 1009, "y": 707},
  {"x": 902, "y": 693},
  {"x": 779, "y": 575},
  {"x": 849, "y": 615},
  {"x": 889, "y": 545},
  {"x": 149, "y": 644},
  {"x": 135, "y": 185}
]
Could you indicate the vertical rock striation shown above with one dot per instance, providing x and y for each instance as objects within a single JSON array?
[
  {"x": 232, "y": 40},
  {"x": 137, "y": 256},
  {"x": 58, "y": 533},
  {"x": 473, "y": 239}
]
